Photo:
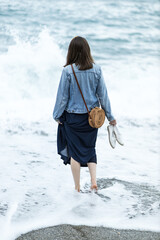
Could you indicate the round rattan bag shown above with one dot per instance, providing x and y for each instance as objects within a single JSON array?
[{"x": 96, "y": 117}]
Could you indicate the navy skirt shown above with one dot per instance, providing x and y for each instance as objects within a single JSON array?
[{"x": 76, "y": 139}]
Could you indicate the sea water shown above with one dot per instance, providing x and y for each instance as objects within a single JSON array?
[{"x": 36, "y": 188}]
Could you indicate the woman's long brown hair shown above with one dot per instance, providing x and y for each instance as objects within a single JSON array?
[{"x": 79, "y": 53}]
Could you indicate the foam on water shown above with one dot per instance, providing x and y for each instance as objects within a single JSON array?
[
  {"x": 30, "y": 69},
  {"x": 42, "y": 187}
]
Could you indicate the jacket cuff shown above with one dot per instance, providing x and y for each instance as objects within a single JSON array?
[
  {"x": 56, "y": 119},
  {"x": 110, "y": 118}
]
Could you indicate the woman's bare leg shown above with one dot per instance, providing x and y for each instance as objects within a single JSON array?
[
  {"x": 75, "y": 167},
  {"x": 92, "y": 170}
]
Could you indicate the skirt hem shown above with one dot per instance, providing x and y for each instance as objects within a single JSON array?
[{"x": 66, "y": 160}]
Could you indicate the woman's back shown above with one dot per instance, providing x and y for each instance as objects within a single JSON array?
[
  {"x": 93, "y": 88},
  {"x": 88, "y": 81}
]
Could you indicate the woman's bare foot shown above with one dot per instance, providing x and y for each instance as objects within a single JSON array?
[
  {"x": 77, "y": 189},
  {"x": 94, "y": 187}
]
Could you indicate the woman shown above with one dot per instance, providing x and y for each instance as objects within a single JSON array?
[{"x": 76, "y": 139}]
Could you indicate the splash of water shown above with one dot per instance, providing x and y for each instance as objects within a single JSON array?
[{"x": 29, "y": 70}]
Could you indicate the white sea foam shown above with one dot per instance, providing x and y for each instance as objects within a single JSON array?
[
  {"x": 133, "y": 88},
  {"x": 30, "y": 70},
  {"x": 43, "y": 188}
]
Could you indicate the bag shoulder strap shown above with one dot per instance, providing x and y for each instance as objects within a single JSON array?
[{"x": 80, "y": 88}]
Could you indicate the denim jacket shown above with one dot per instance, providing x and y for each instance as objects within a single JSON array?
[{"x": 93, "y": 88}]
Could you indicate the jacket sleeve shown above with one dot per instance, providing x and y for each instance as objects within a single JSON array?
[
  {"x": 62, "y": 95},
  {"x": 102, "y": 94}
]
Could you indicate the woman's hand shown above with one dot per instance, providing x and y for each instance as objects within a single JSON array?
[
  {"x": 59, "y": 122},
  {"x": 113, "y": 122}
]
